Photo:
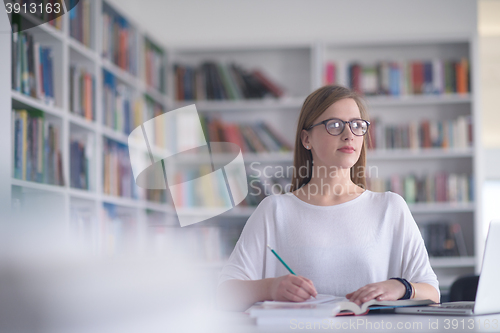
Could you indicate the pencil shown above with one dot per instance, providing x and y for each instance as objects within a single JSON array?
[{"x": 284, "y": 263}]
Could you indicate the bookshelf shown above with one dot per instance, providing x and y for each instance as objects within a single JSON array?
[
  {"x": 102, "y": 220},
  {"x": 143, "y": 79},
  {"x": 396, "y": 110}
]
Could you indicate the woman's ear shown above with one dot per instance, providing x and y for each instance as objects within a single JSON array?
[{"x": 304, "y": 137}]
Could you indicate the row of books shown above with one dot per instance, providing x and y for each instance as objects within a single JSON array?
[
  {"x": 158, "y": 196},
  {"x": 218, "y": 81},
  {"x": 32, "y": 67},
  {"x": 82, "y": 92},
  {"x": 439, "y": 187},
  {"x": 36, "y": 148},
  {"x": 50, "y": 11},
  {"x": 80, "y": 162},
  {"x": 443, "y": 239},
  {"x": 256, "y": 138},
  {"x": 151, "y": 109},
  {"x": 153, "y": 65},
  {"x": 119, "y": 40},
  {"x": 117, "y": 172},
  {"x": 124, "y": 110},
  {"x": 455, "y": 133},
  {"x": 213, "y": 193},
  {"x": 192, "y": 191},
  {"x": 80, "y": 21},
  {"x": 117, "y": 104},
  {"x": 396, "y": 78}
]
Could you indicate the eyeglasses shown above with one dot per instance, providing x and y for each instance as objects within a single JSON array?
[{"x": 335, "y": 126}]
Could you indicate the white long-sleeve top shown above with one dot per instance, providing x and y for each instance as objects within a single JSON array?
[{"x": 341, "y": 248}]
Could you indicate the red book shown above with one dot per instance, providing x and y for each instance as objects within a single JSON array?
[
  {"x": 232, "y": 135},
  {"x": 426, "y": 134},
  {"x": 461, "y": 69},
  {"x": 241, "y": 140},
  {"x": 356, "y": 78},
  {"x": 88, "y": 96},
  {"x": 330, "y": 73},
  {"x": 418, "y": 77},
  {"x": 268, "y": 84}
]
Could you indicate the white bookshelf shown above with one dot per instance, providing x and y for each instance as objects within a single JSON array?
[
  {"x": 68, "y": 51},
  {"x": 402, "y": 108},
  {"x": 298, "y": 69}
]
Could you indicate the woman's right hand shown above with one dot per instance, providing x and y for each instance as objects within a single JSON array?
[{"x": 292, "y": 288}]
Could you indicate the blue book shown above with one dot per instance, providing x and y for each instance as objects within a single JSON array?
[
  {"x": 394, "y": 80},
  {"x": 45, "y": 75},
  {"x": 18, "y": 148},
  {"x": 127, "y": 126},
  {"x": 428, "y": 80},
  {"x": 24, "y": 70},
  {"x": 50, "y": 73},
  {"x": 440, "y": 134},
  {"x": 73, "y": 11}
]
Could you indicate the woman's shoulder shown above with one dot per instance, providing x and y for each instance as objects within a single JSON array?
[
  {"x": 277, "y": 200},
  {"x": 386, "y": 198}
]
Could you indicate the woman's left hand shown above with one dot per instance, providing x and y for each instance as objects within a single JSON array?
[{"x": 389, "y": 290}]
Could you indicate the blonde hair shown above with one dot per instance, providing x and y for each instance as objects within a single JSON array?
[{"x": 314, "y": 105}]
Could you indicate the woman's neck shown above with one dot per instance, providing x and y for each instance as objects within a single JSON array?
[{"x": 329, "y": 188}]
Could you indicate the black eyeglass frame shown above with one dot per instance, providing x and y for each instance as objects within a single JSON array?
[{"x": 343, "y": 124}]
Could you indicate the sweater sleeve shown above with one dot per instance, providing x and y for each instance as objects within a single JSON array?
[
  {"x": 247, "y": 261},
  {"x": 415, "y": 264}
]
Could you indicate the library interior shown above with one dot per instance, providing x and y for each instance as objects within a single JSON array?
[{"x": 142, "y": 136}]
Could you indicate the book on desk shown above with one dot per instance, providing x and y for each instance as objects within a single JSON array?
[{"x": 320, "y": 308}]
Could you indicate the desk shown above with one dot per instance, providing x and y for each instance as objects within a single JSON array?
[{"x": 242, "y": 323}]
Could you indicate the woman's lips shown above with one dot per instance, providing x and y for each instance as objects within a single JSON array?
[{"x": 347, "y": 150}]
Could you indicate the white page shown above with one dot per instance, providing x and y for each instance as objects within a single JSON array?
[{"x": 320, "y": 298}]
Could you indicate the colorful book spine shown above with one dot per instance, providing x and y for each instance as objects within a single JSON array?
[
  {"x": 37, "y": 153},
  {"x": 120, "y": 40},
  {"x": 398, "y": 78},
  {"x": 153, "y": 66},
  {"x": 82, "y": 89},
  {"x": 443, "y": 239},
  {"x": 218, "y": 81},
  {"x": 80, "y": 21},
  {"x": 117, "y": 173},
  {"x": 330, "y": 74},
  {"x": 32, "y": 67},
  {"x": 455, "y": 133},
  {"x": 439, "y": 187},
  {"x": 81, "y": 151},
  {"x": 154, "y": 109},
  {"x": 254, "y": 138},
  {"x": 117, "y": 104}
]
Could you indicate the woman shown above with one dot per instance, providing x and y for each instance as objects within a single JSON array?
[{"x": 339, "y": 238}]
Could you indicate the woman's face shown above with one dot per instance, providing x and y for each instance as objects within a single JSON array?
[{"x": 329, "y": 150}]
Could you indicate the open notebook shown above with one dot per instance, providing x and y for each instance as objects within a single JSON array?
[{"x": 326, "y": 305}]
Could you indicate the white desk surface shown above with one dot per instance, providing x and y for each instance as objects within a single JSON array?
[{"x": 240, "y": 322}]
